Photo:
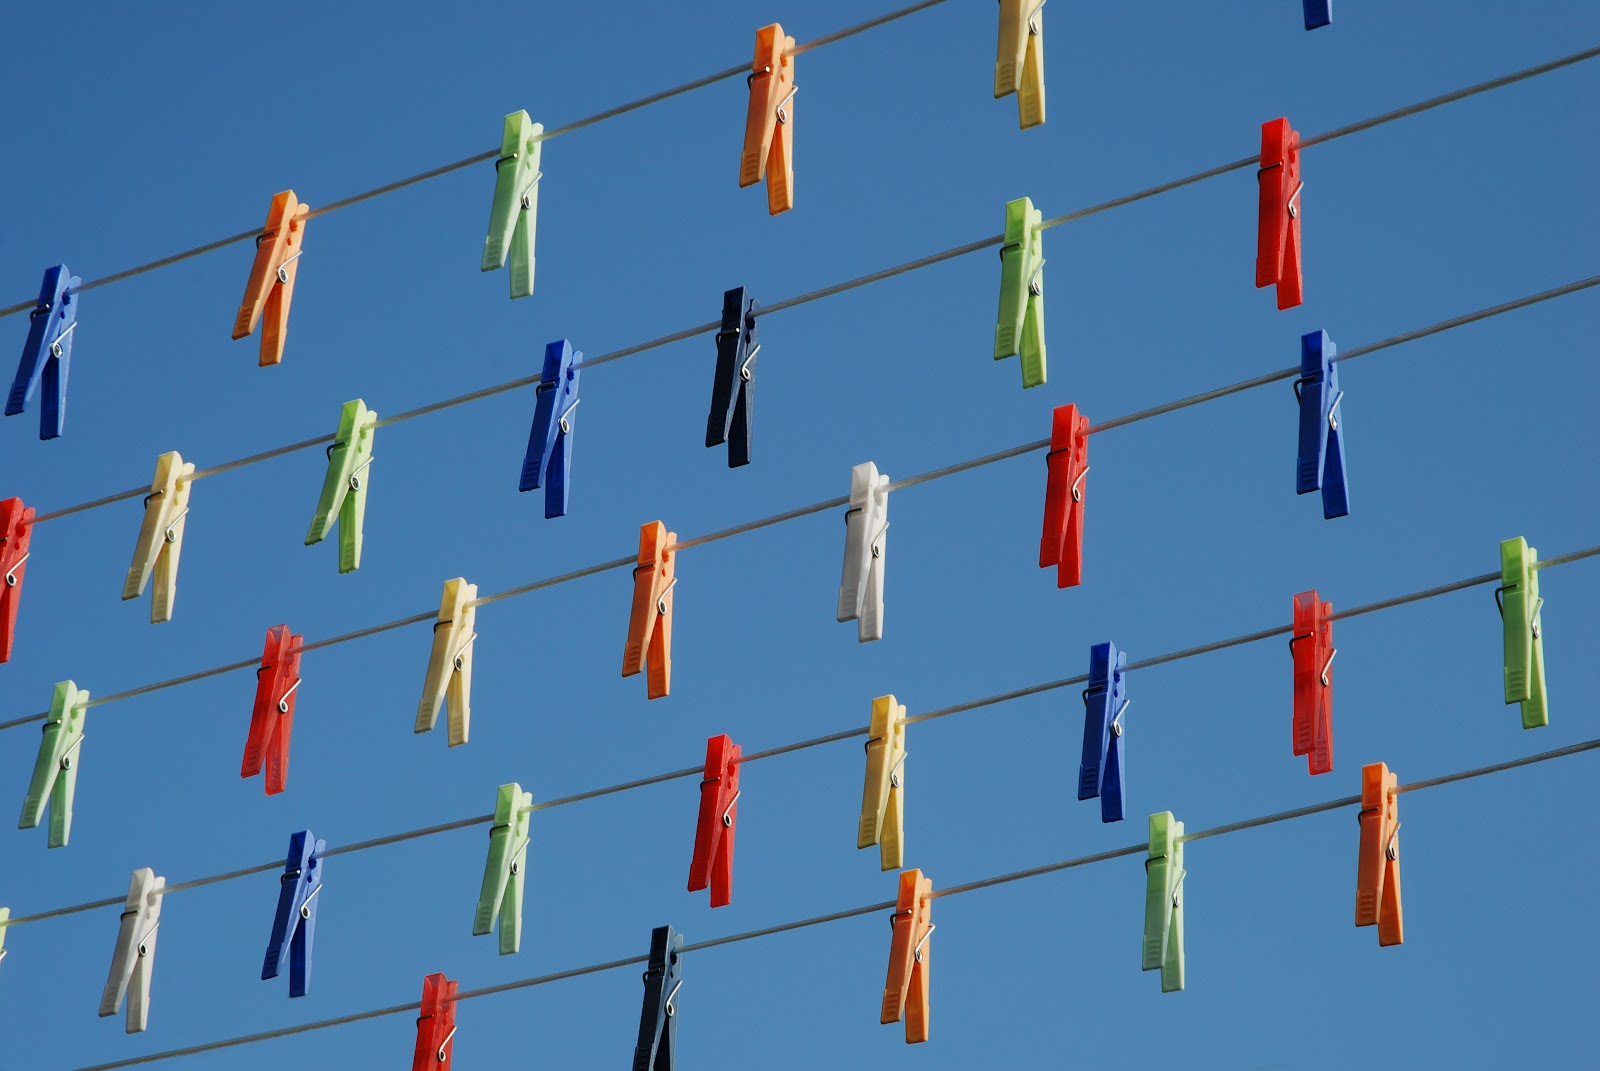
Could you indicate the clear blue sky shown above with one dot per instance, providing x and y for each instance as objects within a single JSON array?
[{"x": 140, "y": 132}]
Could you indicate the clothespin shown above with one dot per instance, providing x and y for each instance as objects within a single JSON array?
[
  {"x": 1163, "y": 902},
  {"x": 1311, "y": 646},
  {"x": 1321, "y": 460},
  {"x": 1104, "y": 702},
  {"x": 161, "y": 536},
  {"x": 905, "y": 990},
  {"x": 1066, "y": 465},
  {"x": 436, "y": 1025},
  {"x": 344, "y": 488},
  {"x": 733, "y": 391},
  {"x": 712, "y": 863},
  {"x": 883, "y": 794},
  {"x": 514, "y": 216},
  {"x": 866, "y": 542},
  {"x": 1019, "y": 61},
  {"x": 769, "y": 124},
  {"x": 16, "y": 532},
  {"x": 1278, "y": 231},
  {"x": 1518, "y": 596},
  {"x": 1318, "y": 13},
  {"x": 549, "y": 457},
  {"x": 449, "y": 679},
  {"x": 133, "y": 960},
  {"x": 503, "y": 878},
  {"x": 294, "y": 927},
  {"x": 47, "y": 354},
  {"x": 650, "y": 621},
  {"x": 658, "y": 1023},
  {"x": 1019, "y": 326},
  {"x": 272, "y": 716},
  {"x": 271, "y": 285},
  {"x": 5, "y": 924},
  {"x": 55, "y": 771},
  {"x": 1378, "y": 868}
]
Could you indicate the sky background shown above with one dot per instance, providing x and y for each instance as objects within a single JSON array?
[{"x": 143, "y": 131}]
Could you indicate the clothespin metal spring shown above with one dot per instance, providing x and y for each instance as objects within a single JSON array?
[
  {"x": 1325, "y": 666},
  {"x": 11, "y": 574}
]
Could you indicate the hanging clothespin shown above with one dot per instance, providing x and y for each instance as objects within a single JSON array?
[
  {"x": 449, "y": 678},
  {"x": 344, "y": 488},
  {"x": 712, "y": 863},
  {"x": 161, "y": 536},
  {"x": 271, "y": 285},
  {"x": 905, "y": 990},
  {"x": 294, "y": 927},
  {"x": 1163, "y": 902},
  {"x": 650, "y": 620},
  {"x": 658, "y": 1023},
  {"x": 503, "y": 877},
  {"x": 883, "y": 793},
  {"x": 866, "y": 542},
  {"x": 1321, "y": 459},
  {"x": 1019, "y": 326},
  {"x": 272, "y": 716},
  {"x": 436, "y": 1025},
  {"x": 514, "y": 216},
  {"x": 1378, "y": 868},
  {"x": 133, "y": 960},
  {"x": 1311, "y": 646},
  {"x": 769, "y": 124},
  {"x": 1318, "y": 13},
  {"x": 1066, "y": 465},
  {"x": 16, "y": 532},
  {"x": 55, "y": 771},
  {"x": 548, "y": 461},
  {"x": 1278, "y": 230},
  {"x": 733, "y": 391},
  {"x": 47, "y": 354},
  {"x": 1104, "y": 703},
  {"x": 1019, "y": 62},
  {"x": 1518, "y": 596},
  {"x": 5, "y": 920}
]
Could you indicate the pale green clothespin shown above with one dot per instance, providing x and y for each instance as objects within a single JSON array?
[
  {"x": 5, "y": 924},
  {"x": 344, "y": 489},
  {"x": 55, "y": 772},
  {"x": 515, "y": 213},
  {"x": 1518, "y": 595},
  {"x": 503, "y": 876},
  {"x": 1163, "y": 902},
  {"x": 1019, "y": 328}
]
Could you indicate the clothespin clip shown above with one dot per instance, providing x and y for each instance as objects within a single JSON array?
[
  {"x": 1066, "y": 465},
  {"x": 16, "y": 532},
  {"x": 344, "y": 488},
  {"x": 271, "y": 285},
  {"x": 905, "y": 990},
  {"x": 658, "y": 1023},
  {"x": 1518, "y": 596},
  {"x": 294, "y": 927},
  {"x": 866, "y": 542},
  {"x": 449, "y": 679},
  {"x": 514, "y": 216},
  {"x": 733, "y": 391},
  {"x": 549, "y": 457},
  {"x": 1019, "y": 326},
  {"x": 650, "y": 621},
  {"x": 1318, "y": 13},
  {"x": 1378, "y": 868},
  {"x": 769, "y": 124},
  {"x": 133, "y": 960},
  {"x": 712, "y": 863},
  {"x": 5, "y": 924},
  {"x": 503, "y": 877},
  {"x": 1163, "y": 902},
  {"x": 436, "y": 1025},
  {"x": 47, "y": 354},
  {"x": 1019, "y": 61},
  {"x": 272, "y": 716},
  {"x": 883, "y": 794},
  {"x": 55, "y": 771},
  {"x": 1278, "y": 231},
  {"x": 1104, "y": 703},
  {"x": 161, "y": 536},
  {"x": 1311, "y": 646},
  {"x": 1321, "y": 460}
]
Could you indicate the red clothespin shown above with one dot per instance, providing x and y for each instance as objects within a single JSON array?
[
  {"x": 16, "y": 528},
  {"x": 271, "y": 285},
  {"x": 1311, "y": 645},
  {"x": 650, "y": 622},
  {"x": 436, "y": 1025},
  {"x": 1278, "y": 232},
  {"x": 272, "y": 719},
  {"x": 1067, "y": 463},
  {"x": 769, "y": 124},
  {"x": 905, "y": 991},
  {"x": 713, "y": 834},
  {"x": 1378, "y": 868}
]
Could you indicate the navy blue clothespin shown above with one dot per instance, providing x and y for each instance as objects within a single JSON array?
[
  {"x": 549, "y": 457},
  {"x": 295, "y": 925},
  {"x": 1319, "y": 13},
  {"x": 48, "y": 351},
  {"x": 1104, "y": 701},
  {"x": 733, "y": 393},
  {"x": 658, "y": 1021},
  {"x": 1321, "y": 463}
]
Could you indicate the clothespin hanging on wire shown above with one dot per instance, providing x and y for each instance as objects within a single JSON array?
[
  {"x": 449, "y": 678},
  {"x": 866, "y": 543},
  {"x": 658, "y": 1023},
  {"x": 883, "y": 793},
  {"x": 55, "y": 771},
  {"x": 1321, "y": 459},
  {"x": 1278, "y": 226},
  {"x": 1318, "y": 13},
  {"x": 133, "y": 959},
  {"x": 16, "y": 532},
  {"x": 1311, "y": 646},
  {"x": 650, "y": 620},
  {"x": 514, "y": 215},
  {"x": 1019, "y": 325},
  {"x": 1163, "y": 902},
  {"x": 5, "y": 919},
  {"x": 712, "y": 863},
  {"x": 1518, "y": 596},
  {"x": 769, "y": 124},
  {"x": 548, "y": 461},
  {"x": 1378, "y": 867},
  {"x": 294, "y": 926},
  {"x": 160, "y": 541},
  {"x": 1066, "y": 465},
  {"x": 905, "y": 990},
  {"x": 272, "y": 716},
  {"x": 733, "y": 391},
  {"x": 436, "y": 1025},
  {"x": 503, "y": 871},
  {"x": 1019, "y": 61},
  {"x": 1104, "y": 703},
  {"x": 47, "y": 354},
  {"x": 271, "y": 285},
  {"x": 344, "y": 488}
]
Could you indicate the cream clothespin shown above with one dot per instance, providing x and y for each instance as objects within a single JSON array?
[
  {"x": 134, "y": 958},
  {"x": 161, "y": 536},
  {"x": 866, "y": 528},
  {"x": 1019, "y": 60},
  {"x": 449, "y": 679},
  {"x": 883, "y": 801}
]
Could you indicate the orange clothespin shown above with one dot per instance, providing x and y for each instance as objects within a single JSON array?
[
  {"x": 650, "y": 622},
  {"x": 271, "y": 285},
  {"x": 1378, "y": 867},
  {"x": 905, "y": 991},
  {"x": 769, "y": 125}
]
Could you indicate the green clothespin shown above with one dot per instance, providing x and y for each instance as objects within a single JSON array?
[
  {"x": 503, "y": 873},
  {"x": 1518, "y": 595},
  {"x": 1020, "y": 325},
  {"x": 1163, "y": 902},
  {"x": 55, "y": 772},
  {"x": 515, "y": 212},
  {"x": 344, "y": 489}
]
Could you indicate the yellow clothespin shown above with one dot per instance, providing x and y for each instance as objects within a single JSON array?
[
  {"x": 883, "y": 804},
  {"x": 1019, "y": 60},
  {"x": 161, "y": 536},
  {"x": 449, "y": 677}
]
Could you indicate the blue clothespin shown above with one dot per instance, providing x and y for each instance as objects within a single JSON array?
[
  {"x": 733, "y": 392},
  {"x": 295, "y": 925},
  {"x": 48, "y": 351},
  {"x": 1100, "y": 772},
  {"x": 1319, "y": 13},
  {"x": 658, "y": 1022},
  {"x": 549, "y": 457},
  {"x": 1321, "y": 440}
]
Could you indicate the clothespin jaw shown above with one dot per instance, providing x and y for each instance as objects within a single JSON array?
[
  {"x": 769, "y": 124},
  {"x": 272, "y": 716},
  {"x": 1278, "y": 230},
  {"x": 906, "y": 988},
  {"x": 344, "y": 488},
  {"x": 47, "y": 354},
  {"x": 1378, "y": 868},
  {"x": 514, "y": 215},
  {"x": 712, "y": 863},
  {"x": 55, "y": 771},
  {"x": 271, "y": 285},
  {"x": 1311, "y": 646},
  {"x": 1321, "y": 459},
  {"x": 294, "y": 926},
  {"x": 449, "y": 678},
  {"x": 16, "y": 532},
  {"x": 1318, "y": 13},
  {"x": 1066, "y": 466},
  {"x": 1019, "y": 326},
  {"x": 1520, "y": 605},
  {"x": 658, "y": 1023},
  {"x": 436, "y": 1025},
  {"x": 733, "y": 391},
  {"x": 1163, "y": 902},
  {"x": 866, "y": 545},
  {"x": 503, "y": 877},
  {"x": 160, "y": 542},
  {"x": 133, "y": 959},
  {"x": 883, "y": 806},
  {"x": 650, "y": 621},
  {"x": 1019, "y": 60},
  {"x": 1104, "y": 701},
  {"x": 549, "y": 457}
]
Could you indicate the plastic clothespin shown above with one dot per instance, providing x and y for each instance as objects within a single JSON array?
[
  {"x": 272, "y": 716},
  {"x": 1318, "y": 13},
  {"x": 1163, "y": 902},
  {"x": 1311, "y": 646},
  {"x": 133, "y": 960},
  {"x": 733, "y": 391},
  {"x": 294, "y": 927},
  {"x": 16, "y": 532},
  {"x": 5, "y": 924},
  {"x": 1378, "y": 867},
  {"x": 1019, "y": 60},
  {"x": 55, "y": 771},
  {"x": 1019, "y": 326},
  {"x": 161, "y": 536},
  {"x": 905, "y": 990},
  {"x": 1518, "y": 596},
  {"x": 650, "y": 620},
  {"x": 769, "y": 124},
  {"x": 271, "y": 285},
  {"x": 503, "y": 877},
  {"x": 866, "y": 543},
  {"x": 449, "y": 679},
  {"x": 1104, "y": 702},
  {"x": 658, "y": 1021},
  {"x": 344, "y": 488},
  {"x": 1066, "y": 465},
  {"x": 1278, "y": 231},
  {"x": 514, "y": 215},
  {"x": 436, "y": 1025},
  {"x": 1321, "y": 458},
  {"x": 47, "y": 354},
  {"x": 548, "y": 461},
  {"x": 883, "y": 793},
  {"x": 712, "y": 863}
]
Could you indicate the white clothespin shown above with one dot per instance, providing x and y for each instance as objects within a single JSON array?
[
  {"x": 161, "y": 536},
  {"x": 866, "y": 534},
  {"x": 135, "y": 954},
  {"x": 449, "y": 679}
]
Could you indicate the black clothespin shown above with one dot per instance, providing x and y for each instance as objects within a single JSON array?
[
  {"x": 658, "y": 1025},
  {"x": 737, "y": 347}
]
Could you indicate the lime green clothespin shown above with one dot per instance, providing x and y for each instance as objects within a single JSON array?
[
  {"x": 1019, "y": 328},
  {"x": 1518, "y": 595},
  {"x": 344, "y": 489},
  {"x": 1163, "y": 902},
  {"x": 501, "y": 893},
  {"x": 515, "y": 212},
  {"x": 55, "y": 772}
]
